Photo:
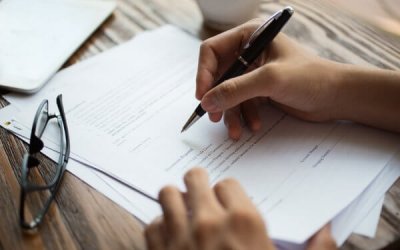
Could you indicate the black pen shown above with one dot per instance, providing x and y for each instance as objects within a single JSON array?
[{"x": 253, "y": 48}]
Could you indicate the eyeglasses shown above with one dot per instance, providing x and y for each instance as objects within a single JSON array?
[{"x": 39, "y": 185}]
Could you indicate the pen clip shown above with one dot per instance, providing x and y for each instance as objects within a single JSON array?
[{"x": 262, "y": 27}]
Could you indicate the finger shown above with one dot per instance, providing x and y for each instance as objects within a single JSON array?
[
  {"x": 215, "y": 117},
  {"x": 233, "y": 123},
  {"x": 175, "y": 214},
  {"x": 232, "y": 196},
  {"x": 217, "y": 53},
  {"x": 322, "y": 240},
  {"x": 199, "y": 194},
  {"x": 250, "y": 114},
  {"x": 155, "y": 239},
  {"x": 232, "y": 92}
]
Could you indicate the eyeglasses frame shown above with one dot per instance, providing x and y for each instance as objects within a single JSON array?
[{"x": 35, "y": 146}]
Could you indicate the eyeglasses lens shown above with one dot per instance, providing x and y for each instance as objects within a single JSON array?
[{"x": 42, "y": 120}]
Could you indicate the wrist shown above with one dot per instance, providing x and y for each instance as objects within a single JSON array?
[
  {"x": 367, "y": 95},
  {"x": 336, "y": 76},
  {"x": 341, "y": 106}
]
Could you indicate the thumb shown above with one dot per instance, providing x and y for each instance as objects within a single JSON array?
[{"x": 237, "y": 90}]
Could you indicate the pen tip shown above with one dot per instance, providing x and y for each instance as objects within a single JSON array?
[
  {"x": 186, "y": 126},
  {"x": 193, "y": 118}
]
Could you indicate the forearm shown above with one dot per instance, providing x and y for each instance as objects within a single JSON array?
[{"x": 369, "y": 96}]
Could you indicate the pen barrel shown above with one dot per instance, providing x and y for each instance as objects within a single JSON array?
[
  {"x": 236, "y": 69},
  {"x": 199, "y": 110},
  {"x": 266, "y": 37},
  {"x": 260, "y": 44}
]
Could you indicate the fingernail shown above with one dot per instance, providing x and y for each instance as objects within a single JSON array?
[{"x": 210, "y": 104}]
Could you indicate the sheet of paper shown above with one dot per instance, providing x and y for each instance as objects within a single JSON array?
[
  {"x": 361, "y": 209},
  {"x": 351, "y": 217},
  {"x": 38, "y": 36},
  {"x": 135, "y": 98},
  {"x": 368, "y": 226}
]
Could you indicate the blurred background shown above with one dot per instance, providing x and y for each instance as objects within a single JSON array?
[{"x": 384, "y": 14}]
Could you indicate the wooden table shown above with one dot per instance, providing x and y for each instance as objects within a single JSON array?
[{"x": 82, "y": 218}]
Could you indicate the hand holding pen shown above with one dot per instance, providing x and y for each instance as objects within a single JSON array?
[
  {"x": 296, "y": 81},
  {"x": 251, "y": 50},
  {"x": 285, "y": 74}
]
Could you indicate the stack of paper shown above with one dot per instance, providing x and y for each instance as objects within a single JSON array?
[{"x": 133, "y": 100}]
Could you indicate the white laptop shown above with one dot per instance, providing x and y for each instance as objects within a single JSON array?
[{"x": 38, "y": 36}]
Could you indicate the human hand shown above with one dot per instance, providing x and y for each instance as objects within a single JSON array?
[
  {"x": 222, "y": 217},
  {"x": 286, "y": 74}
]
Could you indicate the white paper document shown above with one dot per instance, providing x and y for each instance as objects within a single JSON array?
[
  {"x": 125, "y": 109},
  {"x": 369, "y": 225},
  {"x": 367, "y": 201}
]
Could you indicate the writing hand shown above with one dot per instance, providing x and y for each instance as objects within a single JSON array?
[
  {"x": 296, "y": 81},
  {"x": 292, "y": 78}
]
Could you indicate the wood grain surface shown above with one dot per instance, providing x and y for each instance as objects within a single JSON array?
[{"x": 82, "y": 218}]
